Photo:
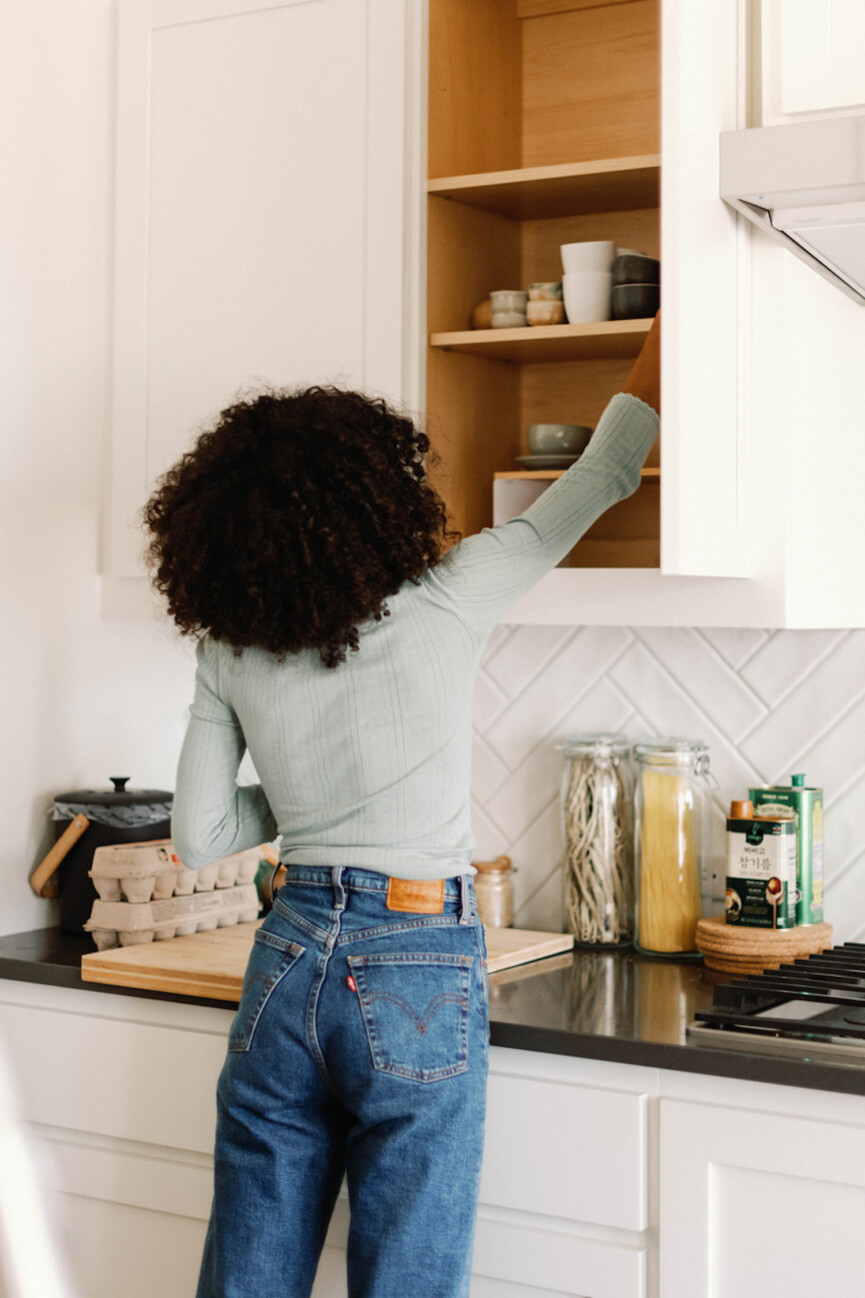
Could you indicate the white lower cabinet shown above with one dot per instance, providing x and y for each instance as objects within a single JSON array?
[
  {"x": 600, "y": 1180},
  {"x": 118, "y": 1094},
  {"x": 757, "y": 1202}
]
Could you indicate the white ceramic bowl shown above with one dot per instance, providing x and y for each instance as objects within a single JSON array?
[
  {"x": 587, "y": 296},
  {"x": 596, "y": 255},
  {"x": 506, "y": 299}
]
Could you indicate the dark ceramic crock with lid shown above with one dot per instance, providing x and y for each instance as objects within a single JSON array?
[{"x": 117, "y": 815}]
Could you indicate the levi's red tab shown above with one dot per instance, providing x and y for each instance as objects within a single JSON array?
[{"x": 351, "y": 983}]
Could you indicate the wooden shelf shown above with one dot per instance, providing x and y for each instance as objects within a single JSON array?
[
  {"x": 533, "y": 193},
  {"x": 650, "y": 477},
  {"x": 603, "y": 340}
]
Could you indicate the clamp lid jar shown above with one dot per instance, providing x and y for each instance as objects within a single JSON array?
[
  {"x": 671, "y": 809},
  {"x": 598, "y": 885}
]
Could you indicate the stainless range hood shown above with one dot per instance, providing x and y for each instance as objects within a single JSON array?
[{"x": 804, "y": 184}]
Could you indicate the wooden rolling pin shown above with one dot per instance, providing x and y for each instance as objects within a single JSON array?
[{"x": 42, "y": 880}]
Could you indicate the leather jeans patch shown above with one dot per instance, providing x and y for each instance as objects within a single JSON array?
[{"x": 415, "y": 896}]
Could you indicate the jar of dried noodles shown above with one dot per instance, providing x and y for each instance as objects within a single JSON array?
[
  {"x": 599, "y": 862},
  {"x": 671, "y": 809}
]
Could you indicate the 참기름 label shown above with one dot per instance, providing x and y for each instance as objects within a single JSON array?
[{"x": 761, "y": 873}]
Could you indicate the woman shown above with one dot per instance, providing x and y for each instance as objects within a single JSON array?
[{"x": 339, "y": 641}]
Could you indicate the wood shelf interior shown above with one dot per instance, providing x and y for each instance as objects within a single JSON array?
[
  {"x": 543, "y": 130},
  {"x": 535, "y": 192},
  {"x": 607, "y": 340}
]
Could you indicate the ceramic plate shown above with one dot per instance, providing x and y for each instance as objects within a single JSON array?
[{"x": 546, "y": 461}]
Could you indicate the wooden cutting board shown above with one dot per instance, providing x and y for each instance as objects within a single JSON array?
[{"x": 212, "y": 964}]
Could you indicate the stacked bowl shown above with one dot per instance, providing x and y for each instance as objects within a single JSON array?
[{"x": 636, "y": 290}]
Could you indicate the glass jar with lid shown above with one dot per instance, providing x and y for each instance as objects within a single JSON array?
[
  {"x": 671, "y": 824},
  {"x": 599, "y": 864},
  {"x": 494, "y": 891}
]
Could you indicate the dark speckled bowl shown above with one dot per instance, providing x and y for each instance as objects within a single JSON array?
[
  {"x": 634, "y": 268},
  {"x": 635, "y": 301}
]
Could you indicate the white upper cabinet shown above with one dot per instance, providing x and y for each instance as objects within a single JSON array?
[
  {"x": 749, "y": 517},
  {"x": 814, "y": 63},
  {"x": 261, "y": 218}
]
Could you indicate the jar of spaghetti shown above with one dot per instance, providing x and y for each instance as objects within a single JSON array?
[
  {"x": 598, "y": 891},
  {"x": 671, "y": 819}
]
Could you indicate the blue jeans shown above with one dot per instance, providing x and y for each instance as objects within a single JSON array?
[{"x": 360, "y": 1049}]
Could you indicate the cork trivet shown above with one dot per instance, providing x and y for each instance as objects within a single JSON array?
[{"x": 731, "y": 948}]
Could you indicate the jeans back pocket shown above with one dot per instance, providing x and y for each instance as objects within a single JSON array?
[
  {"x": 415, "y": 1010},
  {"x": 270, "y": 960}
]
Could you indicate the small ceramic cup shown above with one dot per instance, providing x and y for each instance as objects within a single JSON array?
[
  {"x": 509, "y": 308},
  {"x": 545, "y": 313},
  {"x": 558, "y": 439},
  {"x": 598, "y": 254},
  {"x": 587, "y": 296}
]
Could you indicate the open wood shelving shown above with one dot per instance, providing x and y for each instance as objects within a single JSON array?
[{"x": 558, "y": 142}]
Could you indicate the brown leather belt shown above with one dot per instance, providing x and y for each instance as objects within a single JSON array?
[{"x": 416, "y": 896}]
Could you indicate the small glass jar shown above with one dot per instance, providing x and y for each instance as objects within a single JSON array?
[
  {"x": 670, "y": 842},
  {"x": 494, "y": 890},
  {"x": 598, "y": 893}
]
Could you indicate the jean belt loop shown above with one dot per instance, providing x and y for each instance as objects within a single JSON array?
[
  {"x": 338, "y": 888},
  {"x": 467, "y": 910}
]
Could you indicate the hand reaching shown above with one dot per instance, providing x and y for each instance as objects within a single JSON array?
[{"x": 644, "y": 380}]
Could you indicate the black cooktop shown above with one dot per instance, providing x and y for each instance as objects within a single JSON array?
[{"x": 818, "y": 998}]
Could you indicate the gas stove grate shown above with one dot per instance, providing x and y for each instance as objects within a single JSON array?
[{"x": 817, "y": 997}]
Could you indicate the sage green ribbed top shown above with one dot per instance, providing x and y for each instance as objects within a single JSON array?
[{"x": 369, "y": 763}]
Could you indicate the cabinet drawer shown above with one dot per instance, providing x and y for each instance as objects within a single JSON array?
[
  {"x": 520, "y": 1261},
  {"x": 134, "y": 1081},
  {"x": 512, "y": 1259},
  {"x": 564, "y": 1150}
]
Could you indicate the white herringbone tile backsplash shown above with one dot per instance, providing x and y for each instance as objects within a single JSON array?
[{"x": 766, "y": 703}]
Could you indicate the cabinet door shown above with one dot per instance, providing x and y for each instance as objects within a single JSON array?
[
  {"x": 704, "y": 503},
  {"x": 812, "y": 58},
  {"x": 260, "y": 216},
  {"x": 757, "y": 1203}
]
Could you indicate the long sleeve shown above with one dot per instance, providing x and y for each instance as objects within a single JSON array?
[
  {"x": 213, "y": 816},
  {"x": 487, "y": 573}
]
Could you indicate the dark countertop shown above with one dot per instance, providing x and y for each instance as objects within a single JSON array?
[{"x": 615, "y": 1005}]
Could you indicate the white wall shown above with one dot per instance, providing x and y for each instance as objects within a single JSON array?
[{"x": 83, "y": 697}]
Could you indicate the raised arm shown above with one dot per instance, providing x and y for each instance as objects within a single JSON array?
[
  {"x": 214, "y": 816},
  {"x": 486, "y": 574}
]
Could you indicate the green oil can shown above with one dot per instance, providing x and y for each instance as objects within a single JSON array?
[{"x": 807, "y": 802}]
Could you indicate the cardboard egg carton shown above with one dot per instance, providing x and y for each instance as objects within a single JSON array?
[
  {"x": 142, "y": 872},
  {"x": 127, "y": 923}
]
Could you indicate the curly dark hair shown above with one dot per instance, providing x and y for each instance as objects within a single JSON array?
[{"x": 291, "y": 521}]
